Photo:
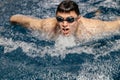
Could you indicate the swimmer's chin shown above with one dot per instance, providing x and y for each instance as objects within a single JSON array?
[{"x": 66, "y": 34}]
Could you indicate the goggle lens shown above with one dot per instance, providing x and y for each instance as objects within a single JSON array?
[{"x": 68, "y": 19}]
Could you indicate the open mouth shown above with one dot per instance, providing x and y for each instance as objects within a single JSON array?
[{"x": 65, "y": 31}]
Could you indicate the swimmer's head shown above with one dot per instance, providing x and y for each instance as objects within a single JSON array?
[
  {"x": 67, "y": 6},
  {"x": 67, "y": 16}
]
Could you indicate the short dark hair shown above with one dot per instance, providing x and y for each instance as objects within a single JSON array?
[{"x": 67, "y": 6}]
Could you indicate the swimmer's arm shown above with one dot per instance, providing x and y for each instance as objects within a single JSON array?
[
  {"x": 112, "y": 25},
  {"x": 27, "y": 21},
  {"x": 45, "y": 25},
  {"x": 104, "y": 26}
]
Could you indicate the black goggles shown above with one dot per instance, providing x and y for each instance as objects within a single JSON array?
[{"x": 68, "y": 19}]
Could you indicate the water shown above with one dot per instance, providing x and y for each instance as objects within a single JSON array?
[{"x": 26, "y": 55}]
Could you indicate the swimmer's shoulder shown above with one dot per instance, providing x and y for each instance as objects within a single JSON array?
[{"x": 49, "y": 24}]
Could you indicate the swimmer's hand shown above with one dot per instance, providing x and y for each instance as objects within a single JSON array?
[{"x": 16, "y": 18}]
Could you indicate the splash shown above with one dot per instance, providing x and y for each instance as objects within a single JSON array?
[
  {"x": 11, "y": 45},
  {"x": 65, "y": 41},
  {"x": 62, "y": 47}
]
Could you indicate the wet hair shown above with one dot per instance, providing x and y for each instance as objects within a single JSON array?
[{"x": 66, "y": 6}]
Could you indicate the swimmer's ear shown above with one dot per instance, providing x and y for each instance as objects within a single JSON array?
[{"x": 78, "y": 19}]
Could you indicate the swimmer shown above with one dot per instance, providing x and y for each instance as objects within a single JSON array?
[{"x": 67, "y": 22}]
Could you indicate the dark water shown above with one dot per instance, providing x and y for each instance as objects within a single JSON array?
[{"x": 25, "y": 55}]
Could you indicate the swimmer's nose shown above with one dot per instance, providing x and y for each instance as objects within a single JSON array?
[
  {"x": 65, "y": 29},
  {"x": 65, "y": 24}
]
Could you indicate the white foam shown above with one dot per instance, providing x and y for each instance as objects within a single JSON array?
[
  {"x": 10, "y": 45},
  {"x": 63, "y": 46},
  {"x": 65, "y": 41}
]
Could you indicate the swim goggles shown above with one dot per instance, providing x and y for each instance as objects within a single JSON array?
[{"x": 68, "y": 19}]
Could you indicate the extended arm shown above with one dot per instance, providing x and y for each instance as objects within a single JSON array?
[
  {"x": 98, "y": 26},
  {"x": 112, "y": 25},
  {"x": 34, "y": 23},
  {"x": 26, "y": 21}
]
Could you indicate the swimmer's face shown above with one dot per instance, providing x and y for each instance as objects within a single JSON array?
[{"x": 68, "y": 22}]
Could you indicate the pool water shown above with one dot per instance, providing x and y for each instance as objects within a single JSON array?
[{"x": 26, "y": 55}]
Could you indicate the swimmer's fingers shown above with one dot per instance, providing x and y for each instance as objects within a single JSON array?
[{"x": 15, "y": 18}]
